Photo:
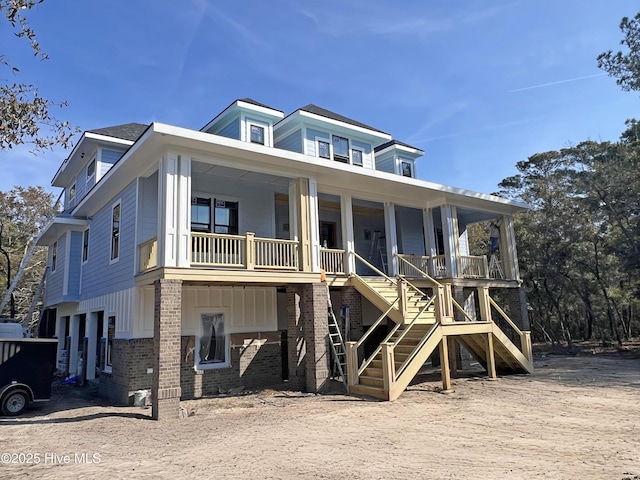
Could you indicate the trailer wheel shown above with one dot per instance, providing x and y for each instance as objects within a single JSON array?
[{"x": 14, "y": 402}]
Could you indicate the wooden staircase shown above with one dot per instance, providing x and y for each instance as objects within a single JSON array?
[{"x": 422, "y": 324}]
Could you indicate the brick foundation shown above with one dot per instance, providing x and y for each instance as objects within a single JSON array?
[{"x": 131, "y": 359}]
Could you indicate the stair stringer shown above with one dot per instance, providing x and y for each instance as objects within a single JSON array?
[
  {"x": 513, "y": 350},
  {"x": 420, "y": 357}
]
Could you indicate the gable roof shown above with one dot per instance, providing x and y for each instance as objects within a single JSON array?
[
  {"x": 396, "y": 142},
  {"x": 127, "y": 131},
  {"x": 311, "y": 108}
]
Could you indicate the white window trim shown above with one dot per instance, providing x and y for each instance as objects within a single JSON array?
[
  {"x": 113, "y": 206},
  {"x": 265, "y": 133},
  {"x": 245, "y": 129},
  {"x": 225, "y": 312},
  {"x": 327, "y": 141},
  {"x": 86, "y": 231},
  {"x": 105, "y": 335},
  {"x": 94, "y": 160},
  {"x": 361, "y": 156},
  {"x": 411, "y": 164}
]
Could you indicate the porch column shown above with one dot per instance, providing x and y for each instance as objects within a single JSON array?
[
  {"x": 294, "y": 206},
  {"x": 430, "y": 246},
  {"x": 450, "y": 236},
  {"x": 307, "y": 223},
  {"x": 72, "y": 352},
  {"x": 392, "y": 238},
  {"x": 508, "y": 253},
  {"x": 167, "y": 326},
  {"x": 348, "y": 241},
  {"x": 174, "y": 211},
  {"x": 91, "y": 334}
]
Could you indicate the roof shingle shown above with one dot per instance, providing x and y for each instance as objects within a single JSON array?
[{"x": 127, "y": 131}]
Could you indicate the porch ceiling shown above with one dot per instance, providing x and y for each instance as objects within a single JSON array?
[{"x": 238, "y": 173}]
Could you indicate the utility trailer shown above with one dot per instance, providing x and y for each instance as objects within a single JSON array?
[{"x": 26, "y": 371}]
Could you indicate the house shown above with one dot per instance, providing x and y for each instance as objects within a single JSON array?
[{"x": 190, "y": 262}]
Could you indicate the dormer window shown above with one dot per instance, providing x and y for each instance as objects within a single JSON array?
[
  {"x": 406, "y": 169},
  {"x": 257, "y": 134},
  {"x": 324, "y": 149},
  {"x": 340, "y": 149}
]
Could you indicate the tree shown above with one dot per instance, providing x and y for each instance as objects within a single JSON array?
[
  {"x": 27, "y": 118},
  {"x": 23, "y": 212},
  {"x": 625, "y": 66}
]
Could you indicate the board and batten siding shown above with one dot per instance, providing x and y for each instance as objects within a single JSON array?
[
  {"x": 55, "y": 280},
  {"x": 120, "y": 304},
  {"x": 246, "y": 309},
  {"x": 292, "y": 142},
  {"x": 99, "y": 275},
  {"x": 147, "y": 208},
  {"x": 256, "y": 202}
]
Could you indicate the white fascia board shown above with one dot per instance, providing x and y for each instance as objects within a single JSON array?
[
  {"x": 270, "y": 112},
  {"x": 414, "y": 152},
  {"x": 74, "y": 158}
]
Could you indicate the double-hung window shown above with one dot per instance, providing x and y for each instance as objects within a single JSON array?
[
  {"x": 340, "y": 149},
  {"x": 356, "y": 157},
  {"x": 225, "y": 217},
  {"x": 72, "y": 192},
  {"x": 406, "y": 169},
  {"x": 54, "y": 256},
  {"x": 324, "y": 149},
  {"x": 200, "y": 214},
  {"x": 91, "y": 169},
  {"x": 256, "y": 133}
]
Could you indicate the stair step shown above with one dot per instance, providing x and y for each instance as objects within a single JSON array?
[
  {"x": 373, "y": 372},
  {"x": 371, "y": 381}
]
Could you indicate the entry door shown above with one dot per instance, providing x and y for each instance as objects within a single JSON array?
[{"x": 328, "y": 234}]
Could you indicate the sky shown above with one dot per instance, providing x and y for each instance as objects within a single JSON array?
[{"x": 477, "y": 84}]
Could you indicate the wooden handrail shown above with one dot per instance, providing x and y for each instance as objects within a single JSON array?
[
  {"x": 415, "y": 351},
  {"x": 372, "y": 267},
  {"x": 366, "y": 363},
  {"x": 459, "y": 307},
  {"x": 505, "y": 316},
  {"x": 424, "y": 274}
]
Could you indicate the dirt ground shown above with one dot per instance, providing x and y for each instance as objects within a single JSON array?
[{"x": 576, "y": 417}]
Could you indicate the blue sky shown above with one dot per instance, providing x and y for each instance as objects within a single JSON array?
[{"x": 478, "y": 85}]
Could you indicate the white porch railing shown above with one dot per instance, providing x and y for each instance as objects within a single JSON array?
[
  {"x": 474, "y": 266},
  {"x": 332, "y": 261},
  {"x": 148, "y": 254},
  {"x": 434, "y": 266},
  {"x": 243, "y": 251}
]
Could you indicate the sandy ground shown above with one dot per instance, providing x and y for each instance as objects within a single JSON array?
[{"x": 577, "y": 417}]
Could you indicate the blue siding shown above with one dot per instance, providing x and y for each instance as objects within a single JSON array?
[
  {"x": 55, "y": 280},
  {"x": 292, "y": 142},
  {"x": 107, "y": 159},
  {"x": 75, "y": 259},
  {"x": 386, "y": 164},
  {"x": 232, "y": 130},
  {"x": 99, "y": 277},
  {"x": 311, "y": 141},
  {"x": 409, "y": 231},
  {"x": 367, "y": 158}
]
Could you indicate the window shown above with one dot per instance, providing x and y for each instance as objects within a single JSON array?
[
  {"x": 356, "y": 157},
  {"x": 111, "y": 334},
  {"x": 54, "y": 256},
  {"x": 85, "y": 246},
  {"x": 225, "y": 217},
  {"x": 200, "y": 214},
  {"x": 72, "y": 192},
  {"x": 115, "y": 232},
  {"x": 91, "y": 169},
  {"x": 323, "y": 149},
  {"x": 257, "y": 134},
  {"x": 340, "y": 149},
  {"x": 406, "y": 170},
  {"x": 213, "y": 343}
]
